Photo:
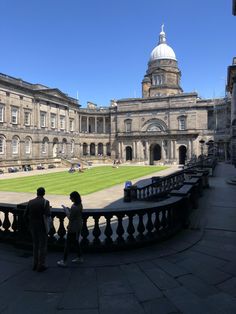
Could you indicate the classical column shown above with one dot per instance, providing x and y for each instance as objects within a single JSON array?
[
  {"x": 174, "y": 148},
  {"x": 87, "y": 124},
  {"x": 147, "y": 152},
  {"x": 95, "y": 125},
  {"x": 104, "y": 125}
]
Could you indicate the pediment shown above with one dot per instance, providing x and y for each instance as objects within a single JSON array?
[{"x": 55, "y": 92}]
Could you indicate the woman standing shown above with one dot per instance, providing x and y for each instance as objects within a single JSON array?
[{"x": 74, "y": 215}]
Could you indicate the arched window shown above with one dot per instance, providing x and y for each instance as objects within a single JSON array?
[
  {"x": 2, "y": 145},
  {"x": 15, "y": 145},
  {"x": 28, "y": 145}
]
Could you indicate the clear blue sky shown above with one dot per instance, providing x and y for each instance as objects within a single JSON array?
[{"x": 101, "y": 48}]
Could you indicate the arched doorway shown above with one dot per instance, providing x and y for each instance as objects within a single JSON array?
[
  {"x": 155, "y": 153},
  {"x": 182, "y": 154},
  {"x": 100, "y": 149},
  {"x": 129, "y": 153},
  {"x": 92, "y": 149}
]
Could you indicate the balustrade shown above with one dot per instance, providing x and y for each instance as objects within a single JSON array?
[{"x": 108, "y": 229}]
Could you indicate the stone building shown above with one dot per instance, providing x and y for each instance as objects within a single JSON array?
[{"x": 43, "y": 125}]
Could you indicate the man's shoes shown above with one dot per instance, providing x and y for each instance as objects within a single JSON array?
[
  {"x": 41, "y": 268},
  {"x": 61, "y": 263},
  {"x": 77, "y": 260}
]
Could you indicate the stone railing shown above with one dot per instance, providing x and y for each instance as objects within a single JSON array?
[
  {"x": 102, "y": 229},
  {"x": 113, "y": 229},
  {"x": 160, "y": 186}
]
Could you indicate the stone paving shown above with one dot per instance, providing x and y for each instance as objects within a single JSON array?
[{"x": 194, "y": 272}]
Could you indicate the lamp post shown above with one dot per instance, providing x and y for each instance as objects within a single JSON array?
[{"x": 202, "y": 142}]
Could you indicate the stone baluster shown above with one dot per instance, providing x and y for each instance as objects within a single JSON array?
[
  {"x": 163, "y": 219},
  {"x": 14, "y": 223},
  {"x": 52, "y": 231},
  {"x": 108, "y": 230},
  {"x": 120, "y": 229},
  {"x": 96, "y": 231},
  {"x": 141, "y": 227},
  {"x": 6, "y": 222},
  {"x": 130, "y": 228},
  {"x": 157, "y": 222},
  {"x": 149, "y": 225},
  {"x": 84, "y": 232},
  {"x": 61, "y": 230}
]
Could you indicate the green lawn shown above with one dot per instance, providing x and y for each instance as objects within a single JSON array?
[{"x": 92, "y": 180}]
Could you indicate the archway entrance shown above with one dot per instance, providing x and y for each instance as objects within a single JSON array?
[
  {"x": 129, "y": 153},
  {"x": 155, "y": 153},
  {"x": 182, "y": 154}
]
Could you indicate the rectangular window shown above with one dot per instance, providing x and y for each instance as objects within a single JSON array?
[
  {"x": 27, "y": 118},
  {"x": 71, "y": 125},
  {"x": 27, "y": 147},
  {"x": 14, "y": 114},
  {"x": 182, "y": 124},
  {"x": 62, "y": 122},
  {"x": 14, "y": 146},
  {"x": 43, "y": 119},
  {"x": 128, "y": 127},
  {"x": 53, "y": 121},
  {"x": 1, "y": 113}
]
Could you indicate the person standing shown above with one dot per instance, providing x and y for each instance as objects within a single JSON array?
[
  {"x": 74, "y": 215},
  {"x": 37, "y": 211}
]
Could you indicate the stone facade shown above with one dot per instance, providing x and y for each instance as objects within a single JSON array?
[{"x": 43, "y": 125}]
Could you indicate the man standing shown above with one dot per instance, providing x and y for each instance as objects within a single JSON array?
[{"x": 37, "y": 211}]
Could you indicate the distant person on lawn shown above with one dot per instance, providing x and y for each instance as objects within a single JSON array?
[
  {"x": 74, "y": 215},
  {"x": 38, "y": 209}
]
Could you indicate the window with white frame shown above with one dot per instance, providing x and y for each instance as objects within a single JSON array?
[
  {"x": 62, "y": 122},
  {"x": 27, "y": 118},
  {"x": 15, "y": 145},
  {"x": 71, "y": 125},
  {"x": 1, "y": 113},
  {"x": 14, "y": 115},
  {"x": 27, "y": 145},
  {"x": 42, "y": 119},
  {"x": 2, "y": 145},
  {"x": 182, "y": 122},
  {"x": 53, "y": 121}
]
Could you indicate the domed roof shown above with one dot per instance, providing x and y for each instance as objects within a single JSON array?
[{"x": 162, "y": 51}]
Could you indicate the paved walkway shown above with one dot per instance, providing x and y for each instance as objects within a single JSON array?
[{"x": 193, "y": 273}]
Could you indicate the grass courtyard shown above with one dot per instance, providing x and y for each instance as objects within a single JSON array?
[{"x": 89, "y": 181}]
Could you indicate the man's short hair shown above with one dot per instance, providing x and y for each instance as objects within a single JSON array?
[{"x": 41, "y": 191}]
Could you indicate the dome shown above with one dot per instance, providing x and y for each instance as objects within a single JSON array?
[{"x": 162, "y": 51}]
